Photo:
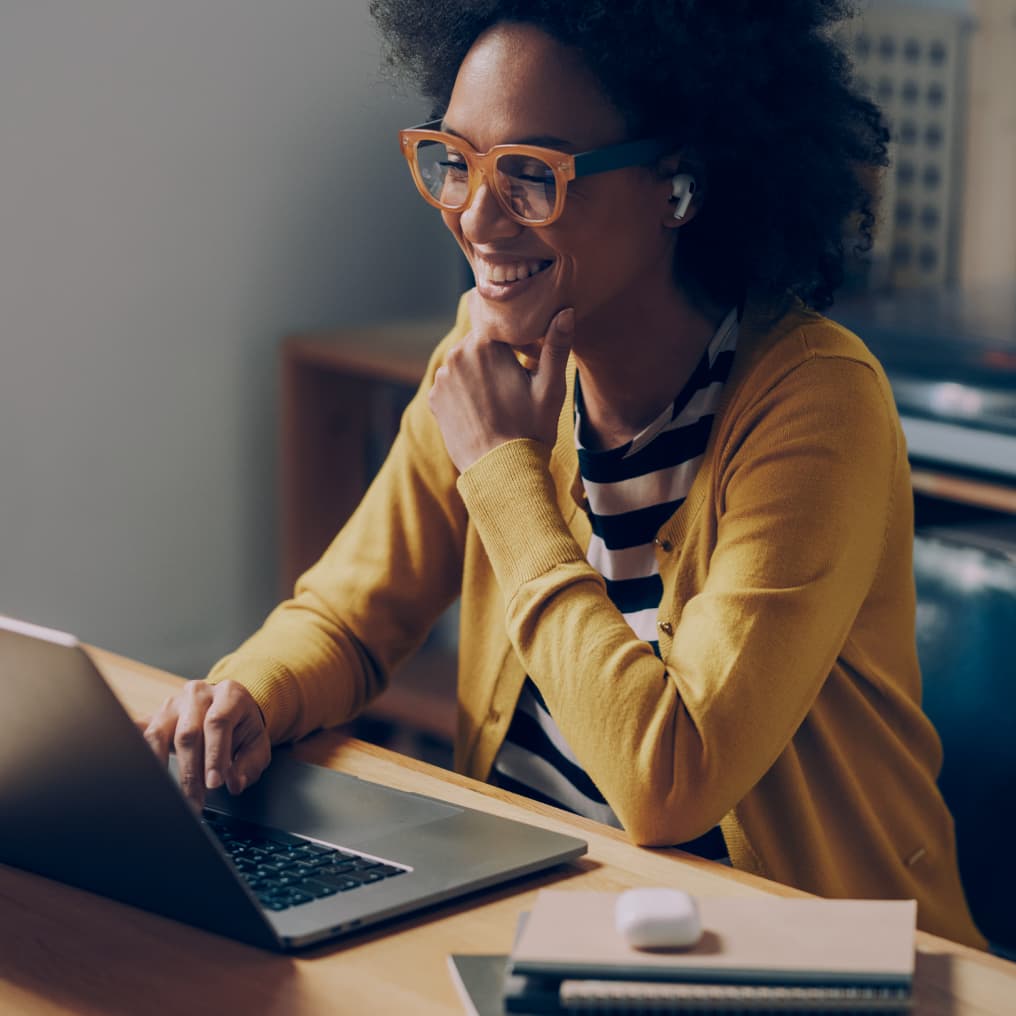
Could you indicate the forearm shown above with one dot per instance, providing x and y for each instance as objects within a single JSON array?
[{"x": 575, "y": 643}]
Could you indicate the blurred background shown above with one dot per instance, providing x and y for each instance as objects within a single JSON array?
[{"x": 181, "y": 184}]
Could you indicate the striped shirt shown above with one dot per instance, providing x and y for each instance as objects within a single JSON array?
[{"x": 632, "y": 490}]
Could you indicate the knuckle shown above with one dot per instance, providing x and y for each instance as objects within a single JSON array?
[
  {"x": 155, "y": 740},
  {"x": 235, "y": 694},
  {"x": 187, "y": 736},
  {"x": 164, "y": 712},
  {"x": 217, "y": 720}
]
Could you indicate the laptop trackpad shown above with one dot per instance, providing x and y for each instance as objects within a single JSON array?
[{"x": 326, "y": 805}]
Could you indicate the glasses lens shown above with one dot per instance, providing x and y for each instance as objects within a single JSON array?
[
  {"x": 444, "y": 172},
  {"x": 528, "y": 185}
]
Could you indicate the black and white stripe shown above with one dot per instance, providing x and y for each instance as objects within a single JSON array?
[{"x": 632, "y": 490}]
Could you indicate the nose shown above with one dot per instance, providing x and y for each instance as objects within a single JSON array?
[{"x": 485, "y": 219}]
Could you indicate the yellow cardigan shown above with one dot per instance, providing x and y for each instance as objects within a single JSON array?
[{"x": 786, "y": 705}]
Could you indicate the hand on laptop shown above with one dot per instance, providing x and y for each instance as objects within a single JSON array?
[{"x": 218, "y": 734}]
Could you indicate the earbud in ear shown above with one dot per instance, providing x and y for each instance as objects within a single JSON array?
[{"x": 682, "y": 189}]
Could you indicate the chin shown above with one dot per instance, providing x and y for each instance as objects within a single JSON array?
[{"x": 517, "y": 325}]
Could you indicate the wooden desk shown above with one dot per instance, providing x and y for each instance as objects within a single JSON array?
[{"x": 63, "y": 950}]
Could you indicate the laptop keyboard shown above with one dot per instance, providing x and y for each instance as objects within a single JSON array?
[{"x": 286, "y": 871}]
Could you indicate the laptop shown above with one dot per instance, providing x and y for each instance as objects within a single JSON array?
[{"x": 305, "y": 855}]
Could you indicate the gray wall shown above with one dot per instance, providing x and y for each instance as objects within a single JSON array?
[{"x": 181, "y": 184}]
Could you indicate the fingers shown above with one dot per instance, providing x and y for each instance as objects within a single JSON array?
[
  {"x": 554, "y": 352},
  {"x": 218, "y": 734},
  {"x": 560, "y": 334},
  {"x": 220, "y": 721},
  {"x": 160, "y": 730},
  {"x": 189, "y": 740},
  {"x": 237, "y": 748},
  {"x": 250, "y": 758}
]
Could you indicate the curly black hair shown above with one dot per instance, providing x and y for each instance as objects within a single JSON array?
[{"x": 761, "y": 92}]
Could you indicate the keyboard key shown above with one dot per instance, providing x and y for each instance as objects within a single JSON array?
[
  {"x": 341, "y": 882},
  {"x": 285, "y": 839},
  {"x": 317, "y": 889},
  {"x": 284, "y": 881},
  {"x": 333, "y": 870},
  {"x": 276, "y": 866},
  {"x": 318, "y": 848}
]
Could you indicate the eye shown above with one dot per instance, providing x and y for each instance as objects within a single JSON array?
[
  {"x": 533, "y": 172},
  {"x": 454, "y": 163}
]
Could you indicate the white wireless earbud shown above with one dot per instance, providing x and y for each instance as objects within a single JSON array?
[{"x": 683, "y": 187}]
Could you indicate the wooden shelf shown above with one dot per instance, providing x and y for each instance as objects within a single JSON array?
[
  {"x": 329, "y": 383},
  {"x": 997, "y": 496}
]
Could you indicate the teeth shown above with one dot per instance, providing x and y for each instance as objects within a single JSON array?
[{"x": 513, "y": 273}]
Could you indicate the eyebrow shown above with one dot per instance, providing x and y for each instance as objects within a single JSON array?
[{"x": 542, "y": 140}]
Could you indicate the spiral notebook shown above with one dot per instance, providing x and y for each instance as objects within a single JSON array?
[{"x": 485, "y": 988}]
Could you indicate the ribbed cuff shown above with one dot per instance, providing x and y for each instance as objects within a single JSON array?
[
  {"x": 271, "y": 685},
  {"x": 511, "y": 500}
]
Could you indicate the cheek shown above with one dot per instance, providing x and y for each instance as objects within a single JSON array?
[{"x": 453, "y": 226}]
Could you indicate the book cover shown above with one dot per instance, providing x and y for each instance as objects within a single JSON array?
[{"x": 746, "y": 940}]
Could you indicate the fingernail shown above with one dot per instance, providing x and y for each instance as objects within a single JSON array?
[
  {"x": 213, "y": 780},
  {"x": 243, "y": 783},
  {"x": 566, "y": 320}
]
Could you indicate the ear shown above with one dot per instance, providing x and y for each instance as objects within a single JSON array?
[{"x": 681, "y": 179}]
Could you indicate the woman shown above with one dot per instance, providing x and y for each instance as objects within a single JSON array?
[{"x": 674, "y": 498}]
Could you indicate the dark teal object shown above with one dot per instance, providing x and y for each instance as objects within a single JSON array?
[{"x": 966, "y": 624}]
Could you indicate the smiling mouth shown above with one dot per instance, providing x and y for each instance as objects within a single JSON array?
[{"x": 504, "y": 275}]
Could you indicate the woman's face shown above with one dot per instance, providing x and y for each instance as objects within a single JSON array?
[{"x": 610, "y": 249}]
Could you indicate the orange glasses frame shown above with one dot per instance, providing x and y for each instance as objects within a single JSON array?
[{"x": 564, "y": 165}]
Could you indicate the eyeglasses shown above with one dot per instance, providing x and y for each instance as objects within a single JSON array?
[{"x": 528, "y": 181}]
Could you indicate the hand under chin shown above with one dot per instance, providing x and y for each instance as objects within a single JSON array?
[{"x": 528, "y": 355}]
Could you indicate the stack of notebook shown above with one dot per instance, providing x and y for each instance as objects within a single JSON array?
[{"x": 755, "y": 954}]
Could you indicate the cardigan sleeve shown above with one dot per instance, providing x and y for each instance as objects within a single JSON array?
[
  {"x": 375, "y": 593},
  {"x": 801, "y": 494}
]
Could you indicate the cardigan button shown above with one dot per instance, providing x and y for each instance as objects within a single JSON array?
[
  {"x": 666, "y": 627},
  {"x": 665, "y": 545}
]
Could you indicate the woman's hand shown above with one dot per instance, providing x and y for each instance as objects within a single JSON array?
[
  {"x": 219, "y": 736},
  {"x": 482, "y": 397}
]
